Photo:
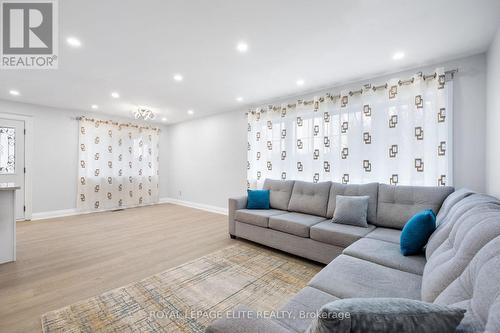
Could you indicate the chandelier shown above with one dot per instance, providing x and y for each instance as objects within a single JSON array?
[{"x": 144, "y": 114}]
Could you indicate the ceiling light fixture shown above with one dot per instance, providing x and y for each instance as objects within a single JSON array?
[
  {"x": 300, "y": 82},
  {"x": 164, "y": 119},
  {"x": 242, "y": 47},
  {"x": 190, "y": 112},
  {"x": 398, "y": 56},
  {"x": 14, "y": 92},
  {"x": 144, "y": 114},
  {"x": 94, "y": 106},
  {"x": 114, "y": 94},
  {"x": 178, "y": 77},
  {"x": 239, "y": 99},
  {"x": 74, "y": 42}
]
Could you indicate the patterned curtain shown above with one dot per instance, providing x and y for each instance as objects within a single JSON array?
[
  {"x": 397, "y": 133},
  {"x": 118, "y": 165}
]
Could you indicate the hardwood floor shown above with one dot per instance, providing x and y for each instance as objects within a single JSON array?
[{"x": 61, "y": 261}]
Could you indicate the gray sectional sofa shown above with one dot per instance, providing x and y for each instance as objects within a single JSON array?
[
  {"x": 460, "y": 266},
  {"x": 299, "y": 220}
]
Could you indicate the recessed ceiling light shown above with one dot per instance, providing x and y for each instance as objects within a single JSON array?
[
  {"x": 74, "y": 42},
  {"x": 398, "y": 56},
  {"x": 163, "y": 119},
  {"x": 14, "y": 92},
  {"x": 178, "y": 77},
  {"x": 239, "y": 99},
  {"x": 94, "y": 106},
  {"x": 300, "y": 82},
  {"x": 190, "y": 112},
  {"x": 242, "y": 47},
  {"x": 114, "y": 94}
]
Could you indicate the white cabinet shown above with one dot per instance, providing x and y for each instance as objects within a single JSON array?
[{"x": 7, "y": 222}]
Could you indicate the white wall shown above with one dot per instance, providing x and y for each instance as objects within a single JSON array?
[
  {"x": 469, "y": 123},
  {"x": 493, "y": 118},
  {"x": 208, "y": 161},
  {"x": 55, "y": 155}
]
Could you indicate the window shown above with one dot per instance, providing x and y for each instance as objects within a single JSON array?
[
  {"x": 7, "y": 150},
  {"x": 399, "y": 133}
]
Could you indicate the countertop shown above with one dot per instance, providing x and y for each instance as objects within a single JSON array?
[{"x": 9, "y": 187}]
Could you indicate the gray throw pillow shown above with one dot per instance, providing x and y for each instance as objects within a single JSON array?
[
  {"x": 385, "y": 315},
  {"x": 351, "y": 210}
]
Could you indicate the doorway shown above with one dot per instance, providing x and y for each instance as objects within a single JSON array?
[{"x": 12, "y": 159}]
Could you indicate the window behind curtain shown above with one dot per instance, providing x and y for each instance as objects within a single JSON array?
[
  {"x": 118, "y": 165},
  {"x": 398, "y": 134}
]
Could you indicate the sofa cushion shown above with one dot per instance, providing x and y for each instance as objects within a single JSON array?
[
  {"x": 242, "y": 319},
  {"x": 300, "y": 246},
  {"x": 493, "y": 322},
  {"x": 347, "y": 277},
  {"x": 258, "y": 199},
  {"x": 477, "y": 290},
  {"x": 281, "y": 191},
  {"x": 453, "y": 207},
  {"x": 294, "y": 223},
  {"x": 310, "y": 198},
  {"x": 385, "y": 315},
  {"x": 397, "y": 204},
  {"x": 473, "y": 229},
  {"x": 386, "y": 234},
  {"x": 307, "y": 301},
  {"x": 338, "y": 234},
  {"x": 258, "y": 217},
  {"x": 386, "y": 254},
  {"x": 416, "y": 232},
  {"x": 370, "y": 190},
  {"x": 450, "y": 202},
  {"x": 351, "y": 210}
]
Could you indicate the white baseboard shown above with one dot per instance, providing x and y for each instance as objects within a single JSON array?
[
  {"x": 55, "y": 213},
  {"x": 74, "y": 211},
  {"x": 208, "y": 208}
]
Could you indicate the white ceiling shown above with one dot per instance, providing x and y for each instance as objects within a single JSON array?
[{"x": 135, "y": 48}]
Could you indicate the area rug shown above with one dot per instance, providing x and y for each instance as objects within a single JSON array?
[{"x": 188, "y": 297}]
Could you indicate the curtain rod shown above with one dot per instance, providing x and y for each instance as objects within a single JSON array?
[
  {"x": 117, "y": 123},
  {"x": 446, "y": 76}
]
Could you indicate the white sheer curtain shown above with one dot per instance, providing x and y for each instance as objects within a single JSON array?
[
  {"x": 118, "y": 165},
  {"x": 399, "y": 133}
]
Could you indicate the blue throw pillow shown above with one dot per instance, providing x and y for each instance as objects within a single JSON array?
[
  {"x": 258, "y": 199},
  {"x": 416, "y": 232}
]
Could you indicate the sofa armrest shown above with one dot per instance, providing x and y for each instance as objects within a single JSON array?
[
  {"x": 233, "y": 205},
  {"x": 245, "y": 320}
]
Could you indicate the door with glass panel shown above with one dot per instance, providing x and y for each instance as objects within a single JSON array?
[{"x": 12, "y": 159}]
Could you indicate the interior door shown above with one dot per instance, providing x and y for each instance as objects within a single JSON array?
[{"x": 12, "y": 158}]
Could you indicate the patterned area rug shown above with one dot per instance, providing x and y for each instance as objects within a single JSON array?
[{"x": 188, "y": 297}]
